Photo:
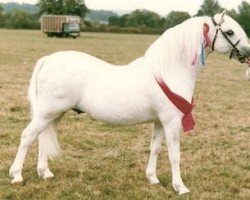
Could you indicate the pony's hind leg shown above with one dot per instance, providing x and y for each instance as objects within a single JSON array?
[
  {"x": 156, "y": 142},
  {"x": 29, "y": 134},
  {"x": 48, "y": 149}
]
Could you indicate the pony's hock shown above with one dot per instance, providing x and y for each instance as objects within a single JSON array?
[{"x": 131, "y": 94}]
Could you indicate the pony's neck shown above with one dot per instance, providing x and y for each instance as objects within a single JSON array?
[
  {"x": 172, "y": 54},
  {"x": 182, "y": 81}
]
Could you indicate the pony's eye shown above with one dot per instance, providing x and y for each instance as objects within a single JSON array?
[{"x": 230, "y": 32}]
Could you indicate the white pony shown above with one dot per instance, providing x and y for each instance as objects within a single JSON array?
[{"x": 128, "y": 94}]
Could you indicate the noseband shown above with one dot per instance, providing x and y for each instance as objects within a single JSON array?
[{"x": 235, "y": 51}]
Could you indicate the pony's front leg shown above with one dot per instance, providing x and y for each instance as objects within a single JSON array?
[
  {"x": 172, "y": 131},
  {"x": 156, "y": 142}
]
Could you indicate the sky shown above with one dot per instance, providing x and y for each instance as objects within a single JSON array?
[{"x": 162, "y": 7}]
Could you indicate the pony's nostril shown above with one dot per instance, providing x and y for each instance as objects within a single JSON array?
[{"x": 241, "y": 55}]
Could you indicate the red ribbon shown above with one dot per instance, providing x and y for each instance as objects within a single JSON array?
[
  {"x": 205, "y": 34},
  {"x": 207, "y": 40},
  {"x": 182, "y": 104}
]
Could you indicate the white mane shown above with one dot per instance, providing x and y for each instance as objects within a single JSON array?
[{"x": 177, "y": 47}]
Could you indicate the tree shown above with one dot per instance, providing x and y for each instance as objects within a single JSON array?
[
  {"x": 232, "y": 13},
  {"x": 100, "y": 15},
  {"x": 2, "y": 19},
  {"x": 176, "y": 17},
  {"x": 143, "y": 18},
  {"x": 209, "y": 8},
  {"x": 244, "y": 16},
  {"x": 63, "y": 7},
  {"x": 137, "y": 18},
  {"x": 113, "y": 21},
  {"x": 19, "y": 19}
]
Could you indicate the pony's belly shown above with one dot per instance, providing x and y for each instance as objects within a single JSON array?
[
  {"x": 123, "y": 119},
  {"x": 119, "y": 114}
]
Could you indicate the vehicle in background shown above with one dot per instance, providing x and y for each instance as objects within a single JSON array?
[{"x": 60, "y": 25}]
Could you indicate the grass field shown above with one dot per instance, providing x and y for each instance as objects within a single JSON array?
[{"x": 101, "y": 161}]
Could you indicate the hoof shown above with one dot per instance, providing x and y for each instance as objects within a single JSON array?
[
  {"x": 152, "y": 179},
  {"x": 16, "y": 175},
  {"x": 184, "y": 191},
  {"x": 48, "y": 177},
  {"x": 18, "y": 183},
  {"x": 181, "y": 189},
  {"x": 45, "y": 173}
]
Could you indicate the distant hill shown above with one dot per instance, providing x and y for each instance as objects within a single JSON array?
[
  {"x": 100, "y": 15},
  {"x": 24, "y": 6}
]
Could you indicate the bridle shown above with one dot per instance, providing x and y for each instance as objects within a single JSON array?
[{"x": 235, "y": 51}]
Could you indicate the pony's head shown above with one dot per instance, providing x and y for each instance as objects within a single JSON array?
[
  {"x": 183, "y": 45},
  {"x": 230, "y": 38}
]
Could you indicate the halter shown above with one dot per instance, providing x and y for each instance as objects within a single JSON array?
[{"x": 235, "y": 51}]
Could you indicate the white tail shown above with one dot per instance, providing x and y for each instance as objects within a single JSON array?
[
  {"x": 48, "y": 143},
  {"x": 33, "y": 85}
]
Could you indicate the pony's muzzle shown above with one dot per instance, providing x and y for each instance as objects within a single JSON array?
[{"x": 241, "y": 54}]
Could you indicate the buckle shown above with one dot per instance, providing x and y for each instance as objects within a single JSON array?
[{"x": 217, "y": 27}]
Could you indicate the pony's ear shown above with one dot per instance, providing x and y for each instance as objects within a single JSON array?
[{"x": 223, "y": 13}]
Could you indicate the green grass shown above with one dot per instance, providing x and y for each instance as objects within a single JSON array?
[{"x": 102, "y": 161}]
